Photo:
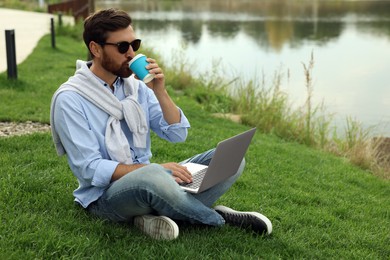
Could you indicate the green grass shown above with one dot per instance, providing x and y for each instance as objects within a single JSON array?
[
  {"x": 321, "y": 206},
  {"x": 28, "y": 97}
]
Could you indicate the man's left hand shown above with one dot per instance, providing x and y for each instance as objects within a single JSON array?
[
  {"x": 179, "y": 172},
  {"x": 158, "y": 83}
]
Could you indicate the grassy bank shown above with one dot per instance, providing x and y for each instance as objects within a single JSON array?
[
  {"x": 321, "y": 206},
  {"x": 265, "y": 105}
]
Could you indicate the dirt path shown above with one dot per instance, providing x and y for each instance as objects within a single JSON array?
[{"x": 12, "y": 128}]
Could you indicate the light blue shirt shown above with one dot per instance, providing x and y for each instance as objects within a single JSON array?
[{"x": 81, "y": 127}]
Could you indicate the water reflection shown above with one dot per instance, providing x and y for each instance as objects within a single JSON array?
[
  {"x": 350, "y": 41},
  {"x": 277, "y": 22},
  {"x": 267, "y": 34}
]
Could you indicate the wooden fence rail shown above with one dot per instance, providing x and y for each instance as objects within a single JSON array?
[{"x": 80, "y": 9}]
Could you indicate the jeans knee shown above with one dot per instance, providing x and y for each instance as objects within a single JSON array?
[
  {"x": 155, "y": 177},
  {"x": 158, "y": 184}
]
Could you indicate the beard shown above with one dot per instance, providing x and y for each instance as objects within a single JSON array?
[{"x": 120, "y": 70}]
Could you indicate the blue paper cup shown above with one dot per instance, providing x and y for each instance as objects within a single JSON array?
[{"x": 137, "y": 65}]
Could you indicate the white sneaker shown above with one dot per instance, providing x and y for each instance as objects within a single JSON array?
[
  {"x": 249, "y": 220},
  {"x": 157, "y": 227}
]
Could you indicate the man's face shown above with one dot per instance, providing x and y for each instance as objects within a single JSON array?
[{"x": 114, "y": 61}]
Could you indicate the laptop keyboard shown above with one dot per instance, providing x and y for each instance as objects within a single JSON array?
[{"x": 197, "y": 178}]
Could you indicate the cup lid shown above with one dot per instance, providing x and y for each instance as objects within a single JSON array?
[{"x": 135, "y": 58}]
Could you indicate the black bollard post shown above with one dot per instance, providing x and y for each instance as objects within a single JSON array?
[
  {"x": 11, "y": 54},
  {"x": 53, "y": 36}
]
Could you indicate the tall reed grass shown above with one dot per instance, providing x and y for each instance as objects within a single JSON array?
[{"x": 267, "y": 107}]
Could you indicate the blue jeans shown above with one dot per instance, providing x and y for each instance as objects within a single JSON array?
[{"x": 152, "y": 190}]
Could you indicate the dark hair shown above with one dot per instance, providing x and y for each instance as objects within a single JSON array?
[{"x": 97, "y": 25}]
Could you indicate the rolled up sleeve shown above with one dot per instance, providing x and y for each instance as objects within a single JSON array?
[
  {"x": 172, "y": 132},
  {"x": 175, "y": 132},
  {"x": 100, "y": 177}
]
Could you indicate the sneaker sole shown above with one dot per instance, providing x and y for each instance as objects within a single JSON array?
[
  {"x": 224, "y": 209},
  {"x": 157, "y": 227}
]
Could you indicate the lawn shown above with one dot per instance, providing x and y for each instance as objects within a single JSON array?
[{"x": 320, "y": 205}]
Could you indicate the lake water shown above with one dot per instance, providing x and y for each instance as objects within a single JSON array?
[{"x": 350, "y": 42}]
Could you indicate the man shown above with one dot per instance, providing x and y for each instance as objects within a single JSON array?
[{"x": 102, "y": 117}]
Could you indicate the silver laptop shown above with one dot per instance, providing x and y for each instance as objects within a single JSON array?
[{"x": 225, "y": 163}]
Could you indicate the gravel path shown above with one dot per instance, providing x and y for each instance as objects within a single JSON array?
[{"x": 12, "y": 128}]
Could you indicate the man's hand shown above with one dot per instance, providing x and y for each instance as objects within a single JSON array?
[
  {"x": 179, "y": 172},
  {"x": 158, "y": 83}
]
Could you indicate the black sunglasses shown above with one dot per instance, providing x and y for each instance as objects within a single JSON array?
[{"x": 123, "y": 47}]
